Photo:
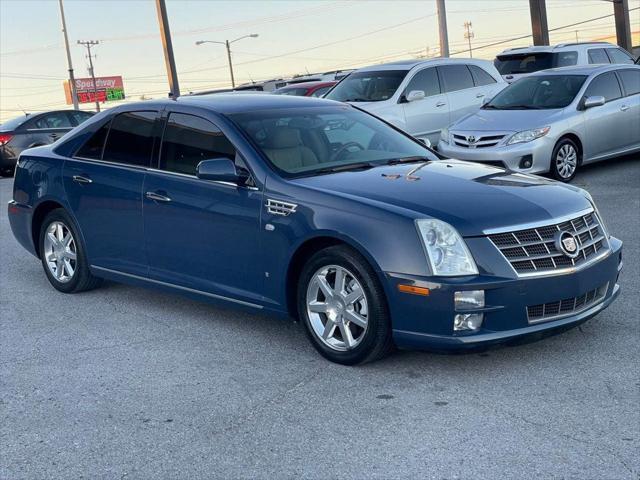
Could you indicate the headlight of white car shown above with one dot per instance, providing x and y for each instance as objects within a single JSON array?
[
  {"x": 446, "y": 251},
  {"x": 444, "y": 135},
  {"x": 528, "y": 135}
]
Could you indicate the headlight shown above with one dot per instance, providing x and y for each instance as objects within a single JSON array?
[
  {"x": 528, "y": 135},
  {"x": 446, "y": 251},
  {"x": 444, "y": 135}
]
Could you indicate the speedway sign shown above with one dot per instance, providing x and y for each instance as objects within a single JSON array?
[{"x": 106, "y": 89}]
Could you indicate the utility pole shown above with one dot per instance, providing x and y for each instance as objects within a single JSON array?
[
  {"x": 89, "y": 44},
  {"x": 169, "y": 60},
  {"x": 72, "y": 80},
  {"x": 442, "y": 24},
  {"x": 623, "y": 28},
  {"x": 227, "y": 45},
  {"x": 233, "y": 81},
  {"x": 539, "y": 26},
  {"x": 468, "y": 34}
]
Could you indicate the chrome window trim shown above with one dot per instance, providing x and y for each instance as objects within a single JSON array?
[
  {"x": 179, "y": 287},
  {"x": 541, "y": 223},
  {"x": 106, "y": 162}
]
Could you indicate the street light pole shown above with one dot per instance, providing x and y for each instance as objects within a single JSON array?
[
  {"x": 227, "y": 44},
  {"x": 72, "y": 80},
  {"x": 89, "y": 44}
]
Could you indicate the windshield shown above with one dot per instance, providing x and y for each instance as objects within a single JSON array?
[
  {"x": 533, "y": 62},
  {"x": 368, "y": 86},
  {"x": 538, "y": 92},
  {"x": 308, "y": 141}
]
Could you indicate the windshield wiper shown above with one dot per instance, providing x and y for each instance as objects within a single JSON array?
[
  {"x": 345, "y": 168},
  {"x": 490, "y": 107},
  {"x": 356, "y": 100},
  {"x": 414, "y": 159},
  {"x": 521, "y": 107}
]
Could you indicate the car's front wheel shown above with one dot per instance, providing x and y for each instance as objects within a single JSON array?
[
  {"x": 63, "y": 256},
  {"x": 565, "y": 160},
  {"x": 343, "y": 307}
]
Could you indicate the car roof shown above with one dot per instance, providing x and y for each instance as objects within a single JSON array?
[
  {"x": 552, "y": 48},
  {"x": 312, "y": 84},
  {"x": 585, "y": 69},
  {"x": 229, "y": 103},
  {"x": 409, "y": 64}
]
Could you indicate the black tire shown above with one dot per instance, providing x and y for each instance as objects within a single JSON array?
[
  {"x": 376, "y": 340},
  {"x": 558, "y": 151},
  {"x": 81, "y": 279}
]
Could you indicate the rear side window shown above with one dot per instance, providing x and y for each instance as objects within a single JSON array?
[
  {"x": 598, "y": 55},
  {"x": 93, "y": 147},
  {"x": 455, "y": 77},
  {"x": 188, "y": 140},
  {"x": 605, "y": 85},
  {"x": 425, "y": 80},
  {"x": 78, "y": 117},
  {"x": 630, "y": 81},
  {"x": 565, "y": 59},
  {"x": 619, "y": 56},
  {"x": 480, "y": 77},
  {"x": 321, "y": 91},
  {"x": 130, "y": 139}
]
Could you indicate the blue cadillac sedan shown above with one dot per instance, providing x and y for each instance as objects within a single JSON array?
[{"x": 319, "y": 211}]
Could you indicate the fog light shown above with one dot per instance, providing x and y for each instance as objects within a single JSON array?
[
  {"x": 467, "y": 299},
  {"x": 467, "y": 321},
  {"x": 526, "y": 161}
]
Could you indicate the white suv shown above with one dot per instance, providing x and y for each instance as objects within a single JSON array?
[
  {"x": 421, "y": 97},
  {"x": 514, "y": 63}
]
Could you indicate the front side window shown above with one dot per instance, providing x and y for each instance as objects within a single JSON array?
[
  {"x": 77, "y": 117},
  {"x": 425, "y": 80},
  {"x": 130, "y": 138},
  {"x": 480, "y": 77},
  {"x": 605, "y": 85},
  {"x": 372, "y": 86},
  {"x": 617, "y": 55},
  {"x": 538, "y": 92},
  {"x": 301, "y": 141},
  {"x": 455, "y": 77},
  {"x": 93, "y": 147},
  {"x": 188, "y": 140},
  {"x": 630, "y": 81},
  {"x": 52, "y": 120},
  {"x": 597, "y": 56}
]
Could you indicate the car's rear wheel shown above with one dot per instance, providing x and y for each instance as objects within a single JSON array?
[
  {"x": 565, "y": 160},
  {"x": 343, "y": 307},
  {"x": 63, "y": 255}
]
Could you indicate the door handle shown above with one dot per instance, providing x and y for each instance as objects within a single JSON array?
[
  {"x": 82, "y": 180},
  {"x": 480, "y": 95},
  {"x": 156, "y": 197},
  {"x": 624, "y": 108},
  {"x": 440, "y": 104}
]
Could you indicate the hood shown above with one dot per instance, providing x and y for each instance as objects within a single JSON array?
[
  {"x": 505, "y": 120},
  {"x": 470, "y": 196}
]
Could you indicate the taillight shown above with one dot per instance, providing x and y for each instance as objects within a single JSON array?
[{"x": 4, "y": 138}]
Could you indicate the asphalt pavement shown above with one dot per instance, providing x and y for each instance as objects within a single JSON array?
[{"x": 125, "y": 382}]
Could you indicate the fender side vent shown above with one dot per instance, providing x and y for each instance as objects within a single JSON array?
[{"x": 276, "y": 207}]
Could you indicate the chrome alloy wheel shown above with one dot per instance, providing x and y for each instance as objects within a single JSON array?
[
  {"x": 566, "y": 161},
  {"x": 337, "y": 308},
  {"x": 60, "y": 252}
]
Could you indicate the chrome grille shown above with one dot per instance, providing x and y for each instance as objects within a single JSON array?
[
  {"x": 568, "y": 306},
  {"x": 479, "y": 141},
  {"x": 533, "y": 251}
]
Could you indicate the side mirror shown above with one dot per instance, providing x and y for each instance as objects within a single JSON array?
[
  {"x": 414, "y": 95},
  {"x": 590, "y": 102},
  {"x": 218, "y": 169}
]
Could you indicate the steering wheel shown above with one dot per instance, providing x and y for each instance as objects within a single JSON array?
[{"x": 344, "y": 148}]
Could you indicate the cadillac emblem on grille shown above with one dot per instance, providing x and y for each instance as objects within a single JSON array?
[{"x": 567, "y": 243}]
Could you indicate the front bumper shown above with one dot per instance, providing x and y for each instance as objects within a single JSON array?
[
  {"x": 511, "y": 156},
  {"x": 426, "y": 322}
]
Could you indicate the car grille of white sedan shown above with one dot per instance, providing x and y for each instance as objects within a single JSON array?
[
  {"x": 535, "y": 251},
  {"x": 473, "y": 141}
]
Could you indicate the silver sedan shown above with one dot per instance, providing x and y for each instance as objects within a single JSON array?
[{"x": 553, "y": 121}]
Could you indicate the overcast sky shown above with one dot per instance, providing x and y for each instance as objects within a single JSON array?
[{"x": 294, "y": 36}]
